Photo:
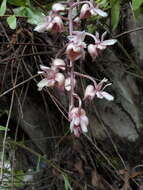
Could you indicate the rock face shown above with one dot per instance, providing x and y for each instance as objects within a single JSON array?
[
  {"x": 121, "y": 116},
  {"x": 39, "y": 123},
  {"x": 132, "y": 23}
]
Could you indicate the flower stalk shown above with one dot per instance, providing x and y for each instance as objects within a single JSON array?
[{"x": 71, "y": 62}]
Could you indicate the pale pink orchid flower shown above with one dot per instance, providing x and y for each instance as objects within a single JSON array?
[
  {"x": 56, "y": 25},
  {"x": 100, "y": 44},
  {"x": 78, "y": 121},
  {"x": 91, "y": 10},
  {"x": 98, "y": 90},
  {"x": 51, "y": 23},
  {"x": 51, "y": 78},
  {"x": 75, "y": 48},
  {"x": 58, "y": 7},
  {"x": 68, "y": 83}
]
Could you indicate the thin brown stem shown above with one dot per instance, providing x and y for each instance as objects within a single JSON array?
[
  {"x": 16, "y": 86},
  {"x": 127, "y": 32},
  {"x": 86, "y": 76}
]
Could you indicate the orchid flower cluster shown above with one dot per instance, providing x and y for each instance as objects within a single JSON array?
[{"x": 61, "y": 74}]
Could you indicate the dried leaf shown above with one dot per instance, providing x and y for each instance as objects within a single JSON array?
[
  {"x": 79, "y": 167},
  {"x": 95, "y": 180},
  {"x": 141, "y": 187},
  {"x": 99, "y": 182}
]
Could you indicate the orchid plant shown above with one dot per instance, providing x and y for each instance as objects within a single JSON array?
[{"x": 57, "y": 75}]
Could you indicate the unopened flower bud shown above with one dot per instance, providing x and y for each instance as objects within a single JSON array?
[
  {"x": 92, "y": 50},
  {"x": 89, "y": 92}
]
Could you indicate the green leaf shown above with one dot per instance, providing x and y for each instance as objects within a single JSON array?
[
  {"x": 67, "y": 183},
  {"x": 21, "y": 11},
  {"x": 3, "y": 8},
  {"x": 11, "y": 20},
  {"x": 20, "y": 3},
  {"x": 91, "y": 28},
  {"x": 103, "y": 3},
  {"x": 34, "y": 16},
  {"x": 136, "y": 4},
  {"x": 2, "y": 128},
  {"x": 115, "y": 13}
]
